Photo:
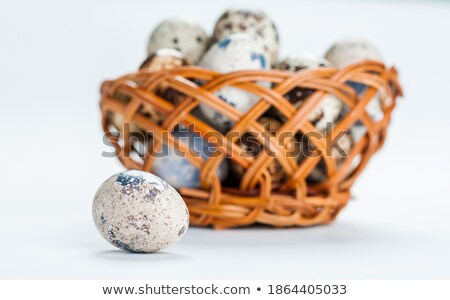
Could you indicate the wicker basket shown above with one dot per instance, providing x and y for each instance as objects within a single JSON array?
[{"x": 255, "y": 199}]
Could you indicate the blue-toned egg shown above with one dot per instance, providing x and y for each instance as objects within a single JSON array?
[
  {"x": 237, "y": 52},
  {"x": 171, "y": 165}
]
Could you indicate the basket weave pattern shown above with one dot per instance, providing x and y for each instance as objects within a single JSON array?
[{"x": 293, "y": 202}]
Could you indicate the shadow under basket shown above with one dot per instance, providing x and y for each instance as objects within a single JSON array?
[{"x": 255, "y": 197}]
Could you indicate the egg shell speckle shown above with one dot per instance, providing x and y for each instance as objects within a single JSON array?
[
  {"x": 236, "y": 52},
  {"x": 254, "y": 23},
  {"x": 139, "y": 212},
  {"x": 187, "y": 37}
]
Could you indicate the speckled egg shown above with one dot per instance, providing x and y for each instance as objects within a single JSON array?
[
  {"x": 236, "y": 52},
  {"x": 252, "y": 148},
  {"x": 350, "y": 51},
  {"x": 187, "y": 37},
  {"x": 139, "y": 212},
  {"x": 329, "y": 108},
  {"x": 171, "y": 165},
  {"x": 339, "y": 152},
  {"x": 255, "y": 23}
]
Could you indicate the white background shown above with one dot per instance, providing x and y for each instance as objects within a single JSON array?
[{"x": 54, "y": 55}]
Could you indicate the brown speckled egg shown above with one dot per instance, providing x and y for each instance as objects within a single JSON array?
[
  {"x": 187, "y": 37},
  {"x": 329, "y": 108},
  {"x": 236, "y": 52},
  {"x": 252, "y": 148},
  {"x": 255, "y": 23},
  {"x": 139, "y": 212}
]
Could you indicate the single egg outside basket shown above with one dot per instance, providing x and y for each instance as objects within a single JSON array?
[{"x": 253, "y": 196}]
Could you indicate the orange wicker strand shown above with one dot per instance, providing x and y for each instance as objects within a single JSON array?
[{"x": 256, "y": 199}]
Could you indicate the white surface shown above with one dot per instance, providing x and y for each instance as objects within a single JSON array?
[{"x": 53, "y": 57}]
